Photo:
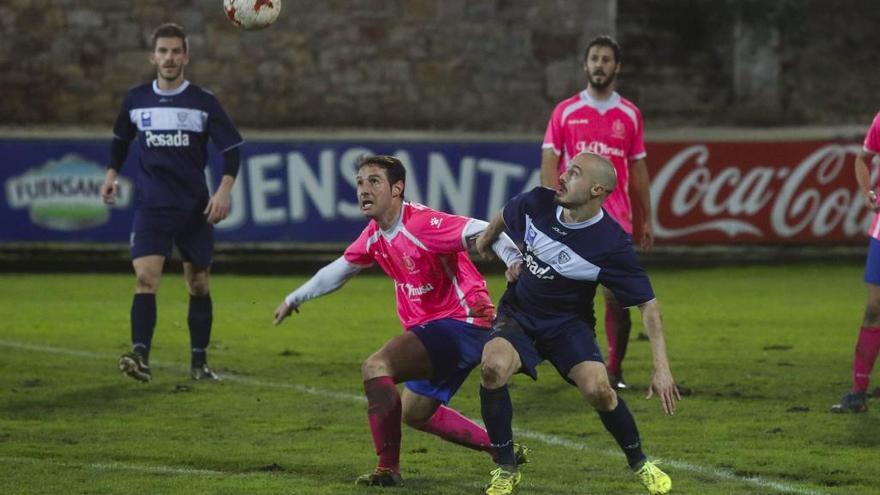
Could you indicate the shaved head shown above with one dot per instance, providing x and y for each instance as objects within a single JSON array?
[{"x": 598, "y": 168}]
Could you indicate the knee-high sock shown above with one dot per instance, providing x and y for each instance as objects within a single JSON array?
[
  {"x": 498, "y": 416},
  {"x": 143, "y": 322},
  {"x": 867, "y": 348},
  {"x": 383, "y": 412},
  {"x": 617, "y": 328},
  {"x": 452, "y": 426},
  {"x": 622, "y": 426},
  {"x": 201, "y": 316}
]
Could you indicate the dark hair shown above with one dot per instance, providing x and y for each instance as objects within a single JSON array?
[
  {"x": 394, "y": 169},
  {"x": 170, "y": 30},
  {"x": 604, "y": 40}
]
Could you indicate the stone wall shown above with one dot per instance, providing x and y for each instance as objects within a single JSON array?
[{"x": 486, "y": 65}]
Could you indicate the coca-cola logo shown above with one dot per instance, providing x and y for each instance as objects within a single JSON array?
[{"x": 695, "y": 194}]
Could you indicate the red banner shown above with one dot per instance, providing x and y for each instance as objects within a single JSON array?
[{"x": 801, "y": 192}]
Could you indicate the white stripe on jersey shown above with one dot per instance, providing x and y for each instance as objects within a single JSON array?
[
  {"x": 601, "y": 106},
  {"x": 412, "y": 238},
  {"x": 168, "y": 119},
  {"x": 372, "y": 240},
  {"x": 630, "y": 113},
  {"x": 462, "y": 300},
  {"x": 559, "y": 256}
]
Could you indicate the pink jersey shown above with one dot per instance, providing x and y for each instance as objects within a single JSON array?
[
  {"x": 425, "y": 254},
  {"x": 872, "y": 145},
  {"x": 611, "y": 128}
]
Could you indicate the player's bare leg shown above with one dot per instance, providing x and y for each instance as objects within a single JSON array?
[
  {"x": 591, "y": 380},
  {"x": 402, "y": 358},
  {"x": 617, "y": 329},
  {"x": 148, "y": 273},
  {"x": 199, "y": 319}
]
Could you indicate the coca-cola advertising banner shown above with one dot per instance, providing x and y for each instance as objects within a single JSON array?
[
  {"x": 303, "y": 191},
  {"x": 802, "y": 192}
]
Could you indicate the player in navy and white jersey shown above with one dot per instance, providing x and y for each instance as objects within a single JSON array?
[
  {"x": 571, "y": 246},
  {"x": 172, "y": 121}
]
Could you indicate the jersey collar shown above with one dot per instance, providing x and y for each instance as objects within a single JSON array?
[
  {"x": 392, "y": 231},
  {"x": 601, "y": 105},
  {"x": 580, "y": 225},
  {"x": 169, "y": 92}
]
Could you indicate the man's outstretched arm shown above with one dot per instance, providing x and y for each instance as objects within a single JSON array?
[{"x": 326, "y": 280}]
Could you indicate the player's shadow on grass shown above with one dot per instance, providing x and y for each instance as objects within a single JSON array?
[
  {"x": 40, "y": 402},
  {"x": 865, "y": 428}
]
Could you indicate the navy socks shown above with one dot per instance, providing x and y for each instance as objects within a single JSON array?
[
  {"x": 201, "y": 316},
  {"x": 622, "y": 426},
  {"x": 143, "y": 322},
  {"x": 498, "y": 416}
]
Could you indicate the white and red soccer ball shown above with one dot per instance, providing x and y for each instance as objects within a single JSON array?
[{"x": 252, "y": 14}]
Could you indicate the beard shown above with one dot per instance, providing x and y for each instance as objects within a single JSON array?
[{"x": 604, "y": 84}]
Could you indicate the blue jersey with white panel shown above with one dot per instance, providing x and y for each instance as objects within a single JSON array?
[
  {"x": 172, "y": 129},
  {"x": 564, "y": 263}
]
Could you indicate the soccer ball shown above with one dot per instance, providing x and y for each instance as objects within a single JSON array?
[{"x": 252, "y": 14}]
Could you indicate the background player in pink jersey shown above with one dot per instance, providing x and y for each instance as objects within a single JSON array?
[
  {"x": 442, "y": 303},
  {"x": 600, "y": 121},
  {"x": 868, "y": 344}
]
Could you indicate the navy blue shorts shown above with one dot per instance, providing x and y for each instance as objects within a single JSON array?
[
  {"x": 872, "y": 265},
  {"x": 565, "y": 342},
  {"x": 454, "y": 348},
  {"x": 155, "y": 230}
]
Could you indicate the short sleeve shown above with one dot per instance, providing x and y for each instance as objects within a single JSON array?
[
  {"x": 872, "y": 139},
  {"x": 625, "y": 277},
  {"x": 124, "y": 129},
  {"x": 637, "y": 147},
  {"x": 439, "y": 232},
  {"x": 553, "y": 138},
  {"x": 357, "y": 253},
  {"x": 519, "y": 206},
  {"x": 220, "y": 127}
]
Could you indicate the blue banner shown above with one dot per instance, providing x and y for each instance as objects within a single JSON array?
[{"x": 287, "y": 192}]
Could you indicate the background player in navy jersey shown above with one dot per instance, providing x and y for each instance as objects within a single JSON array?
[
  {"x": 572, "y": 245},
  {"x": 172, "y": 121}
]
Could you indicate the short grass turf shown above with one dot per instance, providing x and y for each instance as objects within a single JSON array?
[{"x": 764, "y": 352}]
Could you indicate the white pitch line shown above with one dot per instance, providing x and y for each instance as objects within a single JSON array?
[
  {"x": 122, "y": 466},
  {"x": 711, "y": 472}
]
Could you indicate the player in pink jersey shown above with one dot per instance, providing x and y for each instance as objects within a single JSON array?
[
  {"x": 600, "y": 121},
  {"x": 868, "y": 344},
  {"x": 442, "y": 303}
]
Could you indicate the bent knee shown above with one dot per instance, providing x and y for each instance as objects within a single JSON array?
[
  {"x": 601, "y": 397},
  {"x": 375, "y": 366},
  {"x": 495, "y": 367},
  {"x": 413, "y": 419}
]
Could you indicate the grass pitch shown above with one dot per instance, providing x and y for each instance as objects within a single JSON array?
[{"x": 765, "y": 350}]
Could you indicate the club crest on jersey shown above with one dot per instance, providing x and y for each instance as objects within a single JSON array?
[
  {"x": 181, "y": 117},
  {"x": 618, "y": 129},
  {"x": 409, "y": 263},
  {"x": 146, "y": 119},
  {"x": 563, "y": 258}
]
